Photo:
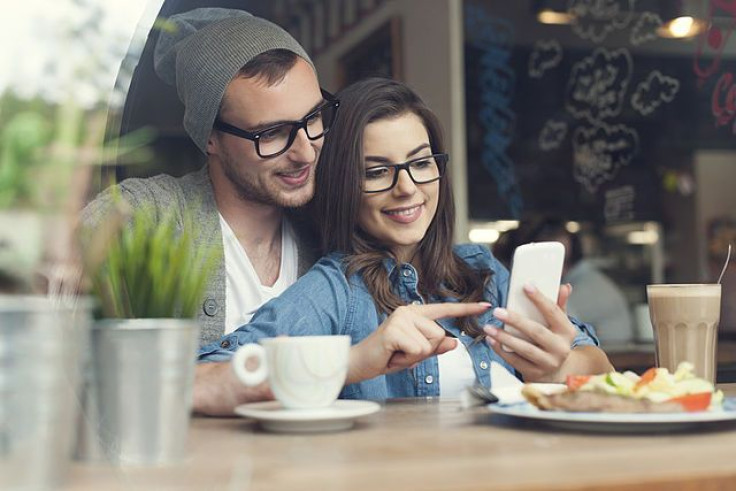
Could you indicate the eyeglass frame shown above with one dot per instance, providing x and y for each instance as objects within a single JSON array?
[
  {"x": 441, "y": 160},
  {"x": 254, "y": 136}
]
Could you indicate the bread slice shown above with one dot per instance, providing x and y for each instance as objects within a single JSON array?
[{"x": 590, "y": 401}]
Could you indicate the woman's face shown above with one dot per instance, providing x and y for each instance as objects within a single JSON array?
[{"x": 399, "y": 217}]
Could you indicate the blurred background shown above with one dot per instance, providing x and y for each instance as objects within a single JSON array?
[{"x": 610, "y": 123}]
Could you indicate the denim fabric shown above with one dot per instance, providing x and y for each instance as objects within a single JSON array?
[{"x": 325, "y": 302}]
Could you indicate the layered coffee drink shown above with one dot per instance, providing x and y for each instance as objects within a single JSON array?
[{"x": 685, "y": 321}]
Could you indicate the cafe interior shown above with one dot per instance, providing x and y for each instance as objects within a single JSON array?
[
  {"x": 608, "y": 125},
  {"x": 499, "y": 79}
]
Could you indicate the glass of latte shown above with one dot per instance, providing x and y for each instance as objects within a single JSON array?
[{"x": 685, "y": 321}]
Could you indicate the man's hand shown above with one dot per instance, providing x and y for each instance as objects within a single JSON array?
[
  {"x": 407, "y": 336},
  {"x": 217, "y": 390}
]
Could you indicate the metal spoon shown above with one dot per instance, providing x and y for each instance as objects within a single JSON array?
[
  {"x": 481, "y": 392},
  {"x": 728, "y": 258}
]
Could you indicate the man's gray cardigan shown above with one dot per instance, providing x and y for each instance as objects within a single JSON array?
[{"x": 191, "y": 192}]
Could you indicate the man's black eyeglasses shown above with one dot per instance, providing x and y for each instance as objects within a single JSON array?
[
  {"x": 421, "y": 170},
  {"x": 275, "y": 140}
]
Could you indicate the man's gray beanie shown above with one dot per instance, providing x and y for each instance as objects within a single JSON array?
[{"x": 200, "y": 51}]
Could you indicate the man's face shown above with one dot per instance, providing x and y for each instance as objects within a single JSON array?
[{"x": 286, "y": 180}]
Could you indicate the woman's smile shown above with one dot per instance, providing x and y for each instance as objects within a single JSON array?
[{"x": 406, "y": 214}]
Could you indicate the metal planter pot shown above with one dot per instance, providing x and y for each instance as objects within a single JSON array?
[
  {"x": 41, "y": 345},
  {"x": 139, "y": 391}
]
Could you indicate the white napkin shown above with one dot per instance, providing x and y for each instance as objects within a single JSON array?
[
  {"x": 504, "y": 384},
  {"x": 506, "y": 387}
]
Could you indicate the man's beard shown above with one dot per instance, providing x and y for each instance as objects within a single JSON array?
[{"x": 249, "y": 190}]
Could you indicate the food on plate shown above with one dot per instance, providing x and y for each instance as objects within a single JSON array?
[{"x": 655, "y": 391}]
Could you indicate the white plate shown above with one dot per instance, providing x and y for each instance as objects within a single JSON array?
[
  {"x": 340, "y": 416},
  {"x": 619, "y": 422}
]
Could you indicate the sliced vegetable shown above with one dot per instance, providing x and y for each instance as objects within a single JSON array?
[
  {"x": 574, "y": 382},
  {"x": 694, "y": 402},
  {"x": 646, "y": 378}
]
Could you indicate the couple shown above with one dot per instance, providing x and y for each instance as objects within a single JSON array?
[{"x": 382, "y": 198}]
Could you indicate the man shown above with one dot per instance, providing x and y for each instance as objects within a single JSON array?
[{"x": 254, "y": 107}]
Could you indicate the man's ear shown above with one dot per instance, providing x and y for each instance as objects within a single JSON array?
[{"x": 212, "y": 144}]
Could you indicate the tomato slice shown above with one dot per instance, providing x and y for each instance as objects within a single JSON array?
[
  {"x": 574, "y": 382},
  {"x": 646, "y": 377},
  {"x": 694, "y": 402}
]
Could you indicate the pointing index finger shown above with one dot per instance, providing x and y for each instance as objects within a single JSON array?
[{"x": 448, "y": 309}]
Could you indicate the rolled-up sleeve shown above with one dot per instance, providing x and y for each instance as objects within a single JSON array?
[{"x": 586, "y": 334}]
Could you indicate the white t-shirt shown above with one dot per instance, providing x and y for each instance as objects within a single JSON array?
[
  {"x": 456, "y": 371},
  {"x": 244, "y": 291}
]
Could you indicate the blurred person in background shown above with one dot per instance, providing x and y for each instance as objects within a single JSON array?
[{"x": 595, "y": 297}]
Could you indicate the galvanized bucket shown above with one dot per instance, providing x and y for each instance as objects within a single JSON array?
[
  {"x": 139, "y": 391},
  {"x": 41, "y": 345}
]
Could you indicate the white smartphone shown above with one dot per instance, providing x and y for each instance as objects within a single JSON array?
[{"x": 539, "y": 264}]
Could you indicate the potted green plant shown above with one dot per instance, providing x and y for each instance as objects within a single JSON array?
[{"x": 149, "y": 277}]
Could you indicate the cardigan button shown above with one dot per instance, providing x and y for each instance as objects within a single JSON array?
[{"x": 210, "y": 307}]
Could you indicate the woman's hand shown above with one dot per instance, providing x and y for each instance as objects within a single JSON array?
[
  {"x": 546, "y": 355},
  {"x": 407, "y": 336}
]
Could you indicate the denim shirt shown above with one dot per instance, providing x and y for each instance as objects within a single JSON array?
[{"x": 325, "y": 302}]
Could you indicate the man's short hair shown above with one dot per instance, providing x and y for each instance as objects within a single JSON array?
[{"x": 271, "y": 65}]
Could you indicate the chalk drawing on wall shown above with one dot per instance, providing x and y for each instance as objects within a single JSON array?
[
  {"x": 494, "y": 38},
  {"x": 598, "y": 84},
  {"x": 656, "y": 90},
  {"x": 545, "y": 56},
  {"x": 645, "y": 28},
  {"x": 599, "y": 151},
  {"x": 595, "y": 19},
  {"x": 721, "y": 22},
  {"x": 723, "y": 101},
  {"x": 619, "y": 204},
  {"x": 552, "y": 135}
]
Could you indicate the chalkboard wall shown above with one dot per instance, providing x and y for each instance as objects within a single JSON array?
[{"x": 595, "y": 119}]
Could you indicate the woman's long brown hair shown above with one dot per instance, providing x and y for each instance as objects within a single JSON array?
[{"x": 339, "y": 181}]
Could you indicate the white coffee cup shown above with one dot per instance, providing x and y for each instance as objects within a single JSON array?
[{"x": 304, "y": 372}]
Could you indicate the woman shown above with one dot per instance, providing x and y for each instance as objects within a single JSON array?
[{"x": 391, "y": 278}]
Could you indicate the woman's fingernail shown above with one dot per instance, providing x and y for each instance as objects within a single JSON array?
[
  {"x": 529, "y": 288},
  {"x": 486, "y": 304},
  {"x": 569, "y": 287},
  {"x": 491, "y": 341},
  {"x": 500, "y": 313},
  {"x": 490, "y": 330}
]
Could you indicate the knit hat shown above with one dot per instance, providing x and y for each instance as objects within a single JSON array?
[{"x": 201, "y": 50}]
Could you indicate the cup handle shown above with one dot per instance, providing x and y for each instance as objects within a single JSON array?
[{"x": 250, "y": 377}]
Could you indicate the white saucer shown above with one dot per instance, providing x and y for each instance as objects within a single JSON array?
[{"x": 340, "y": 416}]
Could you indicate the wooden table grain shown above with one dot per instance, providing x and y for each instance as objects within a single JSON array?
[{"x": 433, "y": 444}]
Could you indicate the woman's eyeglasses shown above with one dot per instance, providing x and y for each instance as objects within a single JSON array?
[
  {"x": 421, "y": 170},
  {"x": 277, "y": 139}
]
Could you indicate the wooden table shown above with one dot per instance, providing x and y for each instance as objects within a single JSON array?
[{"x": 432, "y": 444}]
